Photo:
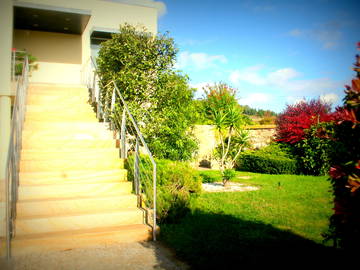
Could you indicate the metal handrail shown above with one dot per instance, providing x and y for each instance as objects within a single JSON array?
[
  {"x": 13, "y": 159},
  {"x": 128, "y": 132}
]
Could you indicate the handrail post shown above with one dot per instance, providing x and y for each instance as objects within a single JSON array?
[
  {"x": 136, "y": 168},
  {"x": 123, "y": 136},
  {"x": 13, "y": 66},
  {"x": 121, "y": 125},
  {"x": 13, "y": 157},
  {"x": 154, "y": 206},
  {"x": 112, "y": 106}
]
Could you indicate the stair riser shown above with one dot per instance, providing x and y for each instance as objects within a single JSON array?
[
  {"x": 56, "y": 87},
  {"x": 74, "y": 206},
  {"x": 67, "y": 223},
  {"x": 61, "y": 126},
  {"x": 68, "y": 116},
  {"x": 72, "y": 177},
  {"x": 70, "y": 164},
  {"x": 62, "y": 243},
  {"x": 73, "y": 190},
  {"x": 64, "y": 119},
  {"x": 66, "y": 144},
  {"x": 85, "y": 154},
  {"x": 54, "y": 108},
  {"x": 66, "y": 135},
  {"x": 59, "y": 92},
  {"x": 46, "y": 100}
]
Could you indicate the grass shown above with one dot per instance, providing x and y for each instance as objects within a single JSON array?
[{"x": 283, "y": 221}]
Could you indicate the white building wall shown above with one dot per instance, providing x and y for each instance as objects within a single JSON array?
[{"x": 105, "y": 15}]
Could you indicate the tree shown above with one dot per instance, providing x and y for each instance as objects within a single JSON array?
[
  {"x": 222, "y": 108},
  {"x": 160, "y": 98},
  {"x": 345, "y": 169}
]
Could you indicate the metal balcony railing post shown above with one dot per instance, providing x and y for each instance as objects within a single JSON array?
[
  {"x": 136, "y": 168},
  {"x": 118, "y": 122},
  {"x": 123, "y": 136}
]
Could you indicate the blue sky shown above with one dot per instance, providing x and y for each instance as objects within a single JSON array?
[{"x": 275, "y": 52}]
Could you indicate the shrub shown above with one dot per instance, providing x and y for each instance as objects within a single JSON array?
[
  {"x": 209, "y": 178},
  {"x": 345, "y": 170},
  {"x": 228, "y": 174},
  {"x": 317, "y": 149},
  {"x": 272, "y": 159},
  {"x": 176, "y": 183},
  {"x": 292, "y": 123}
]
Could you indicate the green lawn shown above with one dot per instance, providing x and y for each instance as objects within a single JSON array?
[{"x": 280, "y": 223}]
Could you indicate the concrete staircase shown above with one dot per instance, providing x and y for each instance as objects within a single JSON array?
[{"x": 73, "y": 188}]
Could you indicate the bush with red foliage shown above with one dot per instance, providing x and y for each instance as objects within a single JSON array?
[
  {"x": 345, "y": 169},
  {"x": 291, "y": 125}
]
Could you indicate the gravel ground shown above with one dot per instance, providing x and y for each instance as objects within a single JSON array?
[
  {"x": 219, "y": 187},
  {"x": 122, "y": 256}
]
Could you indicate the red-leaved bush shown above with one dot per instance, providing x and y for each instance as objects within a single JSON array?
[
  {"x": 345, "y": 170},
  {"x": 292, "y": 123}
]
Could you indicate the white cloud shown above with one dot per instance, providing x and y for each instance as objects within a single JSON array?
[
  {"x": 296, "y": 33},
  {"x": 200, "y": 88},
  {"x": 329, "y": 34},
  {"x": 249, "y": 75},
  {"x": 199, "y": 60},
  {"x": 256, "y": 100},
  {"x": 282, "y": 76},
  {"x": 159, "y": 5},
  {"x": 295, "y": 100},
  {"x": 284, "y": 79},
  {"x": 330, "y": 98}
]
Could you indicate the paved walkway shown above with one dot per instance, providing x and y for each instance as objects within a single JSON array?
[{"x": 124, "y": 256}]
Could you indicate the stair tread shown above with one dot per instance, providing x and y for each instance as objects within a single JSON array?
[
  {"x": 82, "y": 213},
  {"x": 62, "y": 234},
  {"x": 54, "y": 185},
  {"x": 90, "y": 170},
  {"x": 73, "y": 183},
  {"x": 94, "y": 197}
]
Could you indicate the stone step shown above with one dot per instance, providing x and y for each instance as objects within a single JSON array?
[
  {"x": 55, "y": 87},
  {"x": 71, "y": 206},
  {"x": 59, "y": 127},
  {"x": 58, "y": 91},
  {"x": 67, "y": 108},
  {"x": 50, "y": 223},
  {"x": 60, "y": 116},
  {"x": 72, "y": 177},
  {"x": 36, "y": 99},
  {"x": 62, "y": 191},
  {"x": 46, "y": 154},
  {"x": 62, "y": 241},
  {"x": 67, "y": 134},
  {"x": 64, "y": 163},
  {"x": 81, "y": 143}
]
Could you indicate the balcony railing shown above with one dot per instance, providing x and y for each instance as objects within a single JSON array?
[
  {"x": 113, "y": 109},
  {"x": 13, "y": 159}
]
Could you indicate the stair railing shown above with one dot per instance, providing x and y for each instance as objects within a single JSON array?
[
  {"x": 141, "y": 166},
  {"x": 13, "y": 159}
]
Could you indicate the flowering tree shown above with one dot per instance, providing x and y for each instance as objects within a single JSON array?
[{"x": 345, "y": 171}]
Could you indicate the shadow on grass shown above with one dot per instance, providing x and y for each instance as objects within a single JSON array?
[{"x": 218, "y": 241}]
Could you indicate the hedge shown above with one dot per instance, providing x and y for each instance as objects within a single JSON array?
[
  {"x": 176, "y": 183},
  {"x": 271, "y": 159}
]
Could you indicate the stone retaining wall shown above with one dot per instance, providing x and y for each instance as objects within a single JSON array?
[{"x": 260, "y": 136}]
